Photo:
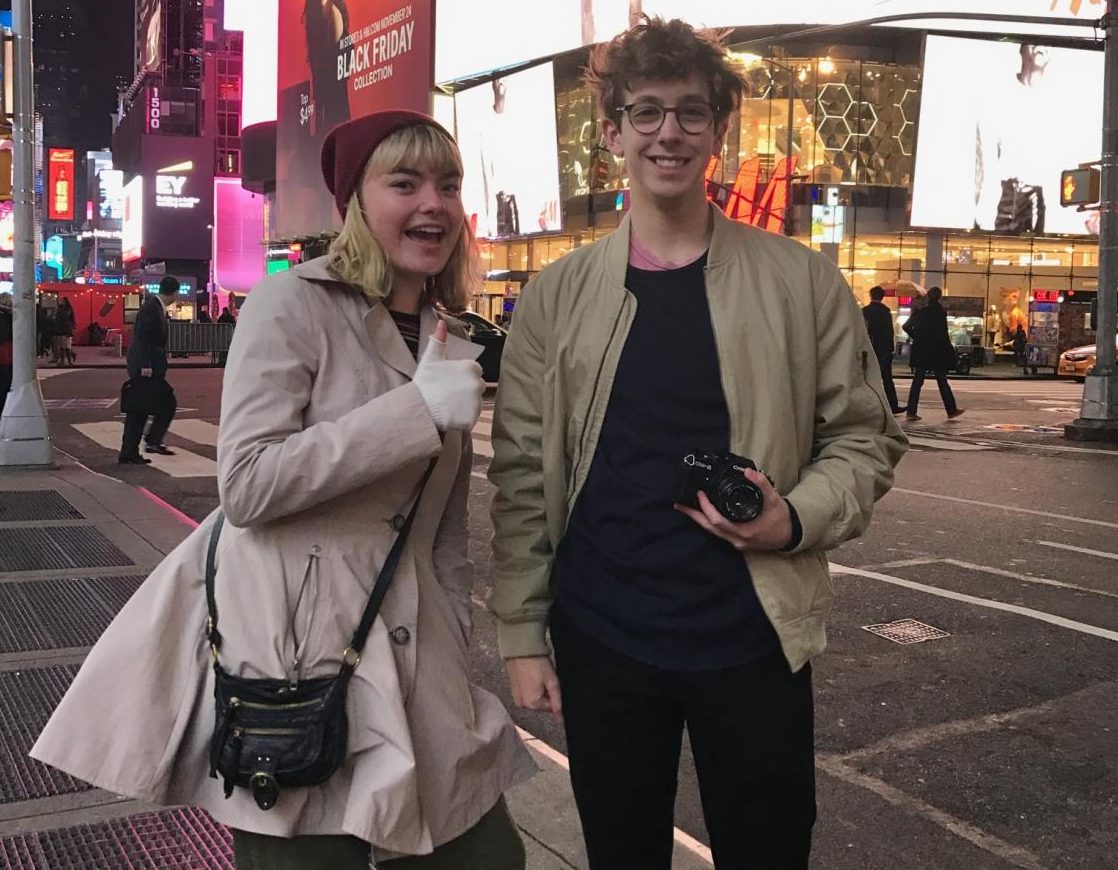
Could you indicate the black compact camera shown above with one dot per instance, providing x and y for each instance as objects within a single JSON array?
[{"x": 722, "y": 477}]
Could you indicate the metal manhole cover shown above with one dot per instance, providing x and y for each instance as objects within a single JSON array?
[
  {"x": 18, "y": 506},
  {"x": 906, "y": 631},
  {"x": 179, "y": 839},
  {"x": 58, "y": 547},
  {"x": 27, "y": 698}
]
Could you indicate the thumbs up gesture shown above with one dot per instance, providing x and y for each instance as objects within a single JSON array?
[{"x": 452, "y": 389}]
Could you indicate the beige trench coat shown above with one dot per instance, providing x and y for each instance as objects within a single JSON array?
[{"x": 323, "y": 441}]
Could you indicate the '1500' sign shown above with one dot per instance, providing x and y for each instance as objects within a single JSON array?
[{"x": 169, "y": 192}]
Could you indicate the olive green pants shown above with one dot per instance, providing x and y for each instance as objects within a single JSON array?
[{"x": 492, "y": 844}]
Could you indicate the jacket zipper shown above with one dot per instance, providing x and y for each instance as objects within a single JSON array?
[
  {"x": 266, "y": 732},
  {"x": 294, "y": 671},
  {"x": 252, "y": 705}
]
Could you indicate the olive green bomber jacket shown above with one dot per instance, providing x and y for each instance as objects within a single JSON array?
[{"x": 803, "y": 390}]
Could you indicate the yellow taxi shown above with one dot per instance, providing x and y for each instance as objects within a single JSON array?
[{"x": 1077, "y": 361}]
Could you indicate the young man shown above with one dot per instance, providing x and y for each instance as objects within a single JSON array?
[
  {"x": 681, "y": 333},
  {"x": 879, "y": 324},
  {"x": 147, "y": 373}
]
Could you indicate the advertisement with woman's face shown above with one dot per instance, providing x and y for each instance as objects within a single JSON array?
[
  {"x": 507, "y": 133},
  {"x": 340, "y": 59},
  {"x": 999, "y": 122}
]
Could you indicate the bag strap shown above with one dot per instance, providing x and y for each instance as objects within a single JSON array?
[
  {"x": 351, "y": 655},
  {"x": 211, "y": 601}
]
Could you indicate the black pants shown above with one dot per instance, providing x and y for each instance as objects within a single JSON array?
[
  {"x": 5, "y": 385},
  {"x": 885, "y": 361},
  {"x": 752, "y": 736},
  {"x": 161, "y": 408},
  {"x": 944, "y": 391}
]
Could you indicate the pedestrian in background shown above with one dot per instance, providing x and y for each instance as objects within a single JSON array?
[
  {"x": 879, "y": 325},
  {"x": 680, "y": 335},
  {"x": 6, "y": 346},
  {"x": 64, "y": 325},
  {"x": 150, "y": 394},
  {"x": 932, "y": 351},
  {"x": 329, "y": 424},
  {"x": 43, "y": 330},
  {"x": 226, "y": 316},
  {"x": 1020, "y": 346}
]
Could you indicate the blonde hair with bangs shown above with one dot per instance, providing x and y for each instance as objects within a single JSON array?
[{"x": 357, "y": 258}]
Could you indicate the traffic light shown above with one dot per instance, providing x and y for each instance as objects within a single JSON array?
[{"x": 1079, "y": 186}]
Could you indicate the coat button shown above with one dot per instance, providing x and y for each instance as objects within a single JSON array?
[
  {"x": 398, "y": 522},
  {"x": 400, "y": 635}
]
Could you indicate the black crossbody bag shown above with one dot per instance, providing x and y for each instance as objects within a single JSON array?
[{"x": 273, "y": 734}]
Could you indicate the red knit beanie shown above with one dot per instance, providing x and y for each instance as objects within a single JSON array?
[{"x": 349, "y": 146}]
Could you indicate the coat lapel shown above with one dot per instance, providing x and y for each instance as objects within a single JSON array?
[{"x": 387, "y": 341}]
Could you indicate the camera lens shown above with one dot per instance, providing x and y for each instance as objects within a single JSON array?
[{"x": 737, "y": 499}]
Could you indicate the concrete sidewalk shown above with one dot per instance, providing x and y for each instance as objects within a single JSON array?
[{"x": 74, "y": 545}]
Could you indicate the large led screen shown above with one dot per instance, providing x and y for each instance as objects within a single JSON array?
[
  {"x": 998, "y": 123},
  {"x": 337, "y": 61},
  {"x": 506, "y": 130},
  {"x": 474, "y": 38}
]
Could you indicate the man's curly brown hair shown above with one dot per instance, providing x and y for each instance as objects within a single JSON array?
[{"x": 656, "y": 50}]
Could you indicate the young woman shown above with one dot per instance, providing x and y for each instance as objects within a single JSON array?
[{"x": 328, "y": 425}]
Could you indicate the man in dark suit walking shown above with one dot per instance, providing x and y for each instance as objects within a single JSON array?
[
  {"x": 151, "y": 395},
  {"x": 879, "y": 323}
]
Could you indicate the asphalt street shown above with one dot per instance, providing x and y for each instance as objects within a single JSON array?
[{"x": 993, "y": 744}]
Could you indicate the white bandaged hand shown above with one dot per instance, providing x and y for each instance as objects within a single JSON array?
[{"x": 452, "y": 389}]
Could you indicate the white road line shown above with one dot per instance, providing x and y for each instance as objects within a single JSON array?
[
  {"x": 1002, "y": 507},
  {"x": 1103, "y": 553},
  {"x": 998, "y": 572},
  {"x": 480, "y": 476},
  {"x": 46, "y": 374},
  {"x": 198, "y": 431},
  {"x": 941, "y": 444},
  {"x": 1027, "y": 578},
  {"x": 1039, "y": 615},
  {"x": 108, "y": 433},
  {"x": 556, "y": 757},
  {"x": 483, "y": 447}
]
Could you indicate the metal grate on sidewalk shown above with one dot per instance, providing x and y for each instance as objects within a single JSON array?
[
  {"x": 57, "y": 548},
  {"x": 27, "y": 698},
  {"x": 179, "y": 839},
  {"x": 60, "y": 614},
  {"x": 19, "y": 506},
  {"x": 906, "y": 631}
]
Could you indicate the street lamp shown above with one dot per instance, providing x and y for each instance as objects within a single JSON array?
[{"x": 24, "y": 433}]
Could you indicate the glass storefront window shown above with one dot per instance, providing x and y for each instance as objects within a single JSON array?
[{"x": 967, "y": 254}]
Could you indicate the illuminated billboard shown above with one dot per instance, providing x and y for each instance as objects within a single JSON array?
[
  {"x": 515, "y": 31},
  {"x": 149, "y": 35},
  {"x": 178, "y": 197},
  {"x": 506, "y": 130},
  {"x": 258, "y": 20},
  {"x": 60, "y": 190},
  {"x": 339, "y": 61},
  {"x": 238, "y": 256},
  {"x": 132, "y": 226},
  {"x": 990, "y": 157}
]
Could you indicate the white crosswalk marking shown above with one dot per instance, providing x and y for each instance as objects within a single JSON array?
[
  {"x": 183, "y": 464},
  {"x": 198, "y": 431},
  {"x": 941, "y": 444},
  {"x": 483, "y": 433}
]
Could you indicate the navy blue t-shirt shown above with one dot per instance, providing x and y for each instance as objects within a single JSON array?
[{"x": 634, "y": 572}]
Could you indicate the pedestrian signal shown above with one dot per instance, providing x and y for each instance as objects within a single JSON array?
[{"x": 1079, "y": 186}]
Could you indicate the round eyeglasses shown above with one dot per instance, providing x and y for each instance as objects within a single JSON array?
[{"x": 694, "y": 118}]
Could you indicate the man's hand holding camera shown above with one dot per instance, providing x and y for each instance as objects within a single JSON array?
[{"x": 749, "y": 514}]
